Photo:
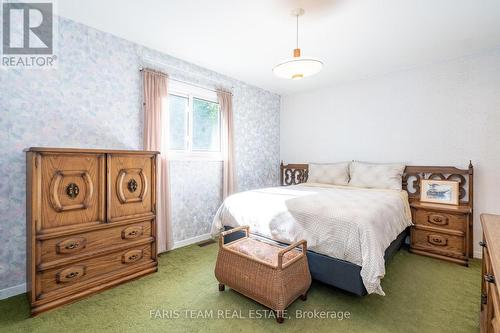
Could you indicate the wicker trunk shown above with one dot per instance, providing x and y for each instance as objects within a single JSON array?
[{"x": 266, "y": 273}]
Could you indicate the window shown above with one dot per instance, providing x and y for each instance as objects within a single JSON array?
[
  {"x": 178, "y": 105},
  {"x": 194, "y": 122}
]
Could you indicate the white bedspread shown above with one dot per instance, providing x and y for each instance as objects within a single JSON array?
[{"x": 348, "y": 223}]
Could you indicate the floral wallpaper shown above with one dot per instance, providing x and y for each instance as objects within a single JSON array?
[
  {"x": 196, "y": 198},
  {"x": 93, "y": 99}
]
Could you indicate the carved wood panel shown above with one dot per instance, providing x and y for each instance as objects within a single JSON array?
[
  {"x": 133, "y": 232},
  {"x": 71, "y": 274},
  {"x": 72, "y": 190},
  {"x": 414, "y": 174},
  {"x": 80, "y": 197},
  {"x": 132, "y": 256},
  {"x": 293, "y": 174},
  {"x": 131, "y": 185},
  {"x": 130, "y": 181},
  {"x": 71, "y": 245}
]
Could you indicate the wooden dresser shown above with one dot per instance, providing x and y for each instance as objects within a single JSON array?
[
  {"x": 439, "y": 230},
  {"x": 442, "y": 231},
  {"x": 90, "y": 222},
  {"x": 490, "y": 298}
]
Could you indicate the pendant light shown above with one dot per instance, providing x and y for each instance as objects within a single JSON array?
[{"x": 297, "y": 67}]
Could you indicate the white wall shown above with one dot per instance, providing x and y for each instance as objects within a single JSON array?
[{"x": 440, "y": 114}]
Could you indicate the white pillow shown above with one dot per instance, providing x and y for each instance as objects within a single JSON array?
[
  {"x": 383, "y": 176},
  {"x": 333, "y": 173}
]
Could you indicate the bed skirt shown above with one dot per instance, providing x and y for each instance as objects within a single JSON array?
[{"x": 335, "y": 272}]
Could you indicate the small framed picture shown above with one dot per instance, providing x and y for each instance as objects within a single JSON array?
[{"x": 439, "y": 191}]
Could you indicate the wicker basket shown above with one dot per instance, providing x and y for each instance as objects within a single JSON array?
[{"x": 268, "y": 274}]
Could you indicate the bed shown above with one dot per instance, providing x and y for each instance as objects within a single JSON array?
[{"x": 351, "y": 231}]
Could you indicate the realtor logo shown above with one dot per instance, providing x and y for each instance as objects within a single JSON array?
[{"x": 28, "y": 35}]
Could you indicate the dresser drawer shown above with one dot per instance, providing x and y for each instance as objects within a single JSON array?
[
  {"x": 438, "y": 242},
  {"x": 441, "y": 220},
  {"x": 73, "y": 276},
  {"x": 85, "y": 243}
]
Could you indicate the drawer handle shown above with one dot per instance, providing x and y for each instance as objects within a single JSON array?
[
  {"x": 437, "y": 240},
  {"x": 132, "y": 256},
  {"x": 72, "y": 190},
  {"x": 482, "y": 243},
  {"x": 70, "y": 274},
  {"x": 438, "y": 219},
  {"x": 71, "y": 245},
  {"x": 132, "y": 232},
  {"x": 489, "y": 278},
  {"x": 132, "y": 185}
]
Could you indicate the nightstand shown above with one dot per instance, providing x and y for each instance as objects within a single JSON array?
[{"x": 442, "y": 231}]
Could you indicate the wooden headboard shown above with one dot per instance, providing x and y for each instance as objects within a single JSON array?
[{"x": 293, "y": 174}]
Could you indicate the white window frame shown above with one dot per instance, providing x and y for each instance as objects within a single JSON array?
[{"x": 190, "y": 92}]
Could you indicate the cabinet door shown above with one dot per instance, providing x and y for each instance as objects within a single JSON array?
[
  {"x": 72, "y": 190},
  {"x": 131, "y": 186}
]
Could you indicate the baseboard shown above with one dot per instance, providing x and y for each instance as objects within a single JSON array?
[
  {"x": 12, "y": 291},
  {"x": 478, "y": 254},
  {"x": 192, "y": 240}
]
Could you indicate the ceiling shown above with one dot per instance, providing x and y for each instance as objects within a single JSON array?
[{"x": 244, "y": 39}]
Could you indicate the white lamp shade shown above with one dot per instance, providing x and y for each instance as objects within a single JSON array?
[{"x": 297, "y": 68}]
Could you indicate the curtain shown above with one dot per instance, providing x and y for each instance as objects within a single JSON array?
[
  {"x": 155, "y": 136},
  {"x": 225, "y": 100}
]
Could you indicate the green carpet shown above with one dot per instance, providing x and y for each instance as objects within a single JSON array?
[{"x": 423, "y": 295}]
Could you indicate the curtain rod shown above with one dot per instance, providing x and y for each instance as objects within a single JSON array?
[
  {"x": 155, "y": 62},
  {"x": 185, "y": 82}
]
